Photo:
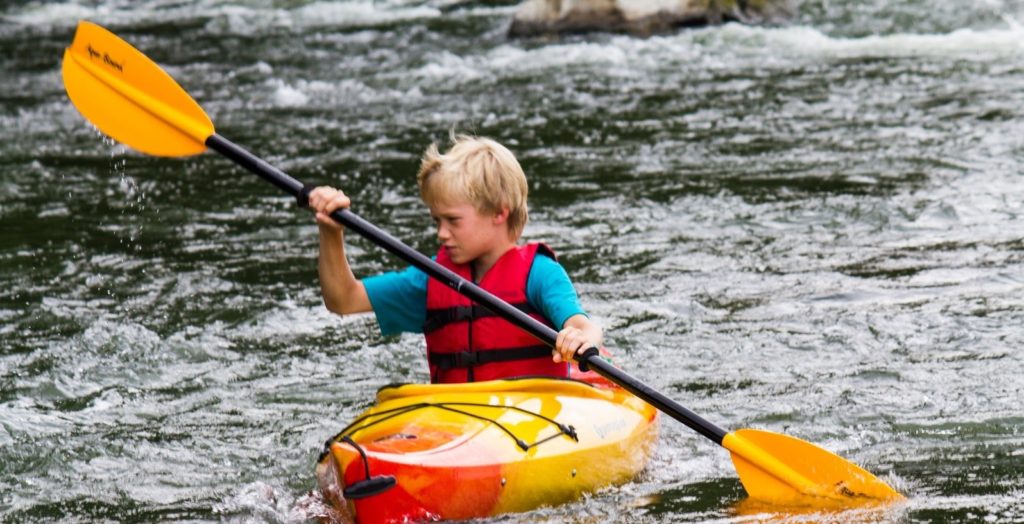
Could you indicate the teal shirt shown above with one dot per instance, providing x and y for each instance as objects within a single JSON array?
[{"x": 399, "y": 298}]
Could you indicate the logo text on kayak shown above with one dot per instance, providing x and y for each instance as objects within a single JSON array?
[{"x": 611, "y": 426}]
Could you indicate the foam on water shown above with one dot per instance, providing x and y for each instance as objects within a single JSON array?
[
  {"x": 288, "y": 96},
  {"x": 346, "y": 14},
  {"x": 57, "y": 14},
  {"x": 259, "y": 499},
  {"x": 223, "y": 18},
  {"x": 959, "y": 44},
  {"x": 346, "y": 92},
  {"x": 704, "y": 50}
]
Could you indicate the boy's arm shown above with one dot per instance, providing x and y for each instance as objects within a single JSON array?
[
  {"x": 342, "y": 293},
  {"x": 550, "y": 290}
]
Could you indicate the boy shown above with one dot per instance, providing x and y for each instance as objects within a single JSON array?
[{"x": 476, "y": 193}]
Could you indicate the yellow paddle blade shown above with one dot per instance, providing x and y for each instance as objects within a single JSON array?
[
  {"x": 130, "y": 98},
  {"x": 781, "y": 469}
]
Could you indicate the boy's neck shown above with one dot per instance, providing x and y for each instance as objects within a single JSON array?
[{"x": 485, "y": 262}]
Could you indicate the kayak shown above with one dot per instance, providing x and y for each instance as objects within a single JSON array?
[{"x": 461, "y": 451}]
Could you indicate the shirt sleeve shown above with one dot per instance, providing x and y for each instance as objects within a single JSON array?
[
  {"x": 549, "y": 291},
  {"x": 399, "y": 300}
]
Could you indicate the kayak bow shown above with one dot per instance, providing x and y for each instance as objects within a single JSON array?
[{"x": 461, "y": 451}]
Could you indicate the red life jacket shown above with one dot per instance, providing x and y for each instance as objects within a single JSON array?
[{"x": 466, "y": 342}]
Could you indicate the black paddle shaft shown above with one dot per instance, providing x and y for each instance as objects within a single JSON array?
[{"x": 589, "y": 359}]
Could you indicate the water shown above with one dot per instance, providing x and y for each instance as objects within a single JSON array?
[{"x": 814, "y": 229}]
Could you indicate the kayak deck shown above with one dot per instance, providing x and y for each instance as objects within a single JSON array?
[{"x": 459, "y": 451}]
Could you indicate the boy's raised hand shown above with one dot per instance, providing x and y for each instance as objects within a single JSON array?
[{"x": 325, "y": 200}]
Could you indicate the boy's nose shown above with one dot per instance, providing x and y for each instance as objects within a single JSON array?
[{"x": 442, "y": 233}]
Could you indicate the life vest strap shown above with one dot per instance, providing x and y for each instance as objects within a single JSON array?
[
  {"x": 438, "y": 318},
  {"x": 465, "y": 359}
]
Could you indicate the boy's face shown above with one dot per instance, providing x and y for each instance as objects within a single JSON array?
[{"x": 468, "y": 234}]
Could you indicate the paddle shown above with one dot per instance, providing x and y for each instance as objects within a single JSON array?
[{"x": 130, "y": 98}]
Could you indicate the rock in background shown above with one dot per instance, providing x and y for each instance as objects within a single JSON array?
[{"x": 640, "y": 17}]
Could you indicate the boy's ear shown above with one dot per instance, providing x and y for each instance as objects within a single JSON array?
[{"x": 501, "y": 216}]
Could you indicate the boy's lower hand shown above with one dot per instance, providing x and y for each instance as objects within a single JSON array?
[
  {"x": 569, "y": 341},
  {"x": 325, "y": 200}
]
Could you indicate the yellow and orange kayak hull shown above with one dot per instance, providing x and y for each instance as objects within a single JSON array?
[{"x": 460, "y": 451}]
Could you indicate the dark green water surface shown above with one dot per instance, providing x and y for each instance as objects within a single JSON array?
[{"x": 816, "y": 229}]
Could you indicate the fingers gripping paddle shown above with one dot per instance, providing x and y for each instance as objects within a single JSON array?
[{"x": 131, "y": 99}]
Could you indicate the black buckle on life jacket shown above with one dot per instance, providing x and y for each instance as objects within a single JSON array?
[{"x": 466, "y": 358}]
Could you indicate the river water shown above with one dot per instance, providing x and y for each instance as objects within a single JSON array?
[{"x": 816, "y": 228}]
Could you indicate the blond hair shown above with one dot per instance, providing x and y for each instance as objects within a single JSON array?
[{"x": 478, "y": 171}]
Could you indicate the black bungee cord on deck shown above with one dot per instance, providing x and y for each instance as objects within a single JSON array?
[{"x": 373, "y": 485}]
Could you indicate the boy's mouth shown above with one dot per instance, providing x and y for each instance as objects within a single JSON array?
[{"x": 453, "y": 253}]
